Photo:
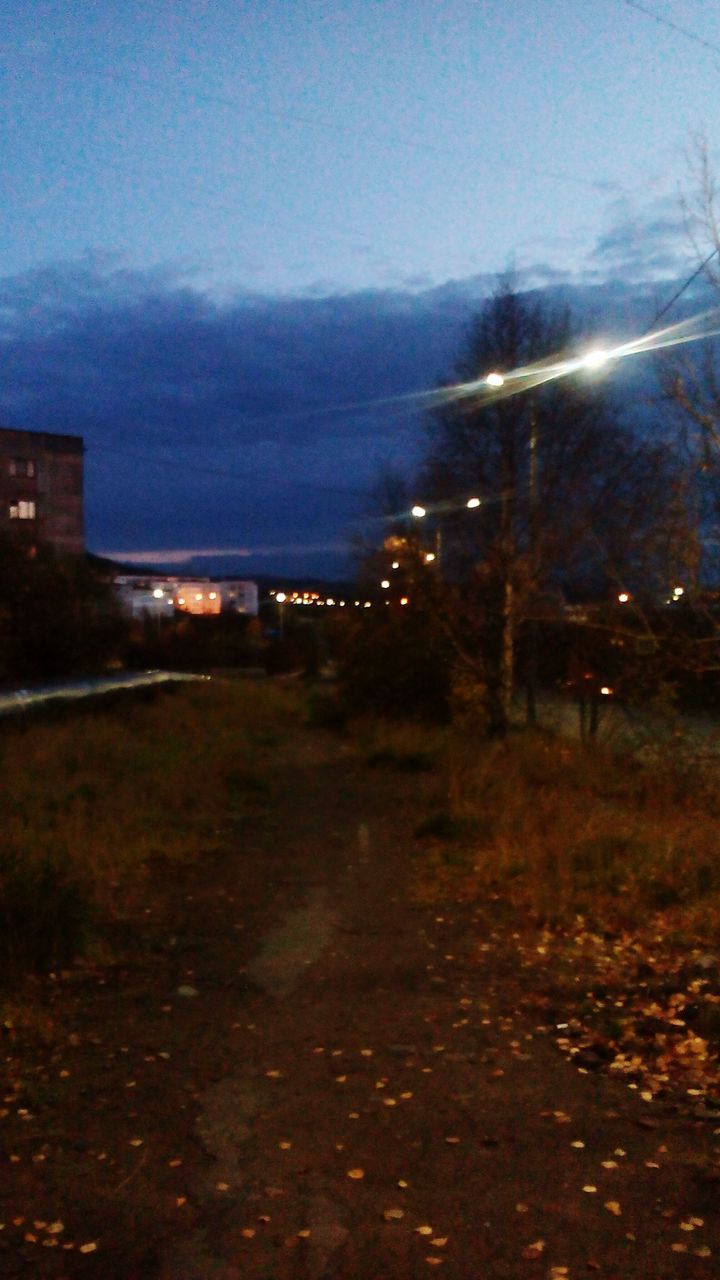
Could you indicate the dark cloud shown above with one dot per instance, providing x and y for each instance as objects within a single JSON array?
[
  {"x": 641, "y": 248},
  {"x": 245, "y": 423}
]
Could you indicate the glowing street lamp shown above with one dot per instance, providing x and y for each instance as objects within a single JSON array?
[
  {"x": 494, "y": 379},
  {"x": 623, "y": 597},
  {"x": 472, "y": 502},
  {"x": 418, "y": 512},
  {"x": 384, "y": 584},
  {"x": 594, "y": 359}
]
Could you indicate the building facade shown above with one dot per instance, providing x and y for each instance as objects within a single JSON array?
[
  {"x": 160, "y": 595},
  {"x": 41, "y": 488}
]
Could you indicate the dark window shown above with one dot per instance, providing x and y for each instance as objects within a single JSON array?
[{"x": 22, "y": 467}]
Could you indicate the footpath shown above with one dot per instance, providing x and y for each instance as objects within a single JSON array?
[{"x": 299, "y": 1068}]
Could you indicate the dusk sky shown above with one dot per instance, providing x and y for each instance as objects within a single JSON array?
[{"x": 225, "y": 220}]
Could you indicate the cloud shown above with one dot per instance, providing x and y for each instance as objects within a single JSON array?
[
  {"x": 640, "y": 246},
  {"x": 250, "y": 427}
]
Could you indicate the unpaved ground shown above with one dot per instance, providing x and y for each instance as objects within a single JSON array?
[{"x": 299, "y": 1070}]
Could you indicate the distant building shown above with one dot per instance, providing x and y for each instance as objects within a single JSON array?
[
  {"x": 159, "y": 596},
  {"x": 41, "y": 488}
]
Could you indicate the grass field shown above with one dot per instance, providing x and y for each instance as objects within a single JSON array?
[{"x": 92, "y": 799}]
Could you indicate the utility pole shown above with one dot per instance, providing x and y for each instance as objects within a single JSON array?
[{"x": 532, "y": 630}]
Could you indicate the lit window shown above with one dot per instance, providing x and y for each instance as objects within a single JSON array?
[
  {"x": 22, "y": 467},
  {"x": 22, "y": 509}
]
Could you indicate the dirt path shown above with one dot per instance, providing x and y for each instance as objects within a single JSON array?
[{"x": 301, "y": 1072}]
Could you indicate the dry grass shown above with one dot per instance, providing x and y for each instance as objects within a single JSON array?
[
  {"x": 561, "y": 831},
  {"x": 90, "y": 800}
]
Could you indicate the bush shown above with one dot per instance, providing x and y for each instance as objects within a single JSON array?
[{"x": 395, "y": 663}]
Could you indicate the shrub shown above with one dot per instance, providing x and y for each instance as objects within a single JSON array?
[{"x": 395, "y": 663}]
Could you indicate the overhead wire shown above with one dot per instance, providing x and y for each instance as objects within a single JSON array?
[{"x": 673, "y": 26}]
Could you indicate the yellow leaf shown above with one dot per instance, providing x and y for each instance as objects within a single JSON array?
[
  {"x": 433, "y": 1262},
  {"x": 393, "y": 1215},
  {"x": 424, "y": 1231},
  {"x": 90, "y": 1247},
  {"x": 305, "y": 1233},
  {"x": 356, "y": 1173},
  {"x": 439, "y": 1241},
  {"x": 590, "y": 1189},
  {"x": 613, "y": 1207},
  {"x": 248, "y": 1232}
]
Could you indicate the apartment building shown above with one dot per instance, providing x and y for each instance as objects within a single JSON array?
[{"x": 41, "y": 488}]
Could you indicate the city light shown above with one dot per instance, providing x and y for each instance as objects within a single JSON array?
[
  {"x": 212, "y": 595},
  {"x": 384, "y": 584},
  {"x": 606, "y": 691},
  {"x": 623, "y": 597},
  {"x": 678, "y": 591},
  {"x": 396, "y": 564},
  {"x": 472, "y": 502},
  {"x": 280, "y": 597},
  {"x": 158, "y": 593},
  {"x": 495, "y": 380},
  {"x": 418, "y": 512},
  {"x": 429, "y": 557}
]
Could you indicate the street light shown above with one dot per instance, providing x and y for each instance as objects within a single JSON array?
[
  {"x": 594, "y": 359},
  {"x": 472, "y": 502},
  {"x": 418, "y": 512},
  {"x": 495, "y": 379}
]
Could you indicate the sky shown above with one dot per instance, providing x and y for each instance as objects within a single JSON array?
[{"x": 225, "y": 220}]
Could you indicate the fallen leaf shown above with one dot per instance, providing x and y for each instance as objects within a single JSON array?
[
  {"x": 248, "y": 1232},
  {"x": 304, "y": 1233},
  {"x": 613, "y": 1207},
  {"x": 90, "y": 1247},
  {"x": 393, "y": 1215},
  {"x": 424, "y": 1231},
  {"x": 356, "y": 1173},
  {"x": 439, "y": 1241},
  {"x": 590, "y": 1189}
]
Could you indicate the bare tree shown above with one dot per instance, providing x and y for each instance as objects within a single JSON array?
[{"x": 570, "y": 502}]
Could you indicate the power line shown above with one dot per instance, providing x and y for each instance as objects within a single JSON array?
[
  {"x": 674, "y": 26},
  {"x": 412, "y": 141},
  {"x": 679, "y": 293}
]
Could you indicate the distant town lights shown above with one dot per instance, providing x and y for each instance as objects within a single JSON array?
[
  {"x": 385, "y": 584},
  {"x": 495, "y": 379},
  {"x": 280, "y": 597},
  {"x": 158, "y": 593},
  {"x": 623, "y": 597},
  {"x": 418, "y": 511},
  {"x": 429, "y": 557},
  {"x": 472, "y": 502}
]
